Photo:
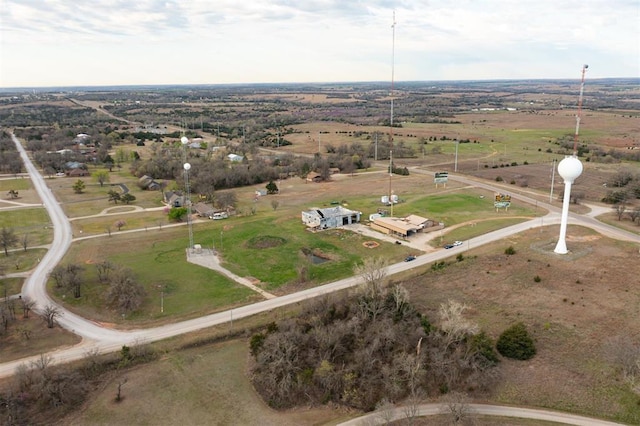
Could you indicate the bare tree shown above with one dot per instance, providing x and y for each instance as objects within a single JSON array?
[
  {"x": 124, "y": 292},
  {"x": 372, "y": 293},
  {"x": 274, "y": 204},
  {"x": 25, "y": 241},
  {"x": 7, "y": 239},
  {"x": 104, "y": 269},
  {"x": 24, "y": 331},
  {"x": 58, "y": 274},
  {"x": 400, "y": 297},
  {"x": 373, "y": 270},
  {"x": 27, "y": 306},
  {"x": 73, "y": 278},
  {"x": 635, "y": 214},
  {"x": 411, "y": 408},
  {"x": 620, "y": 208},
  {"x": 224, "y": 200},
  {"x": 457, "y": 408},
  {"x": 453, "y": 323},
  {"x": 120, "y": 384},
  {"x": 42, "y": 362},
  {"x": 49, "y": 314},
  {"x": 385, "y": 410}
]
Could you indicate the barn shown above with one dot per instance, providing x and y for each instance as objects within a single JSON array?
[{"x": 330, "y": 217}]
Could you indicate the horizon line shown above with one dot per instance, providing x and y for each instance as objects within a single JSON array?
[{"x": 318, "y": 83}]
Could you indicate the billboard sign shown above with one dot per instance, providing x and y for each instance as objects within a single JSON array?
[
  {"x": 502, "y": 201},
  {"x": 441, "y": 177}
]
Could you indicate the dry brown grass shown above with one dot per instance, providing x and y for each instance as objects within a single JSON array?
[{"x": 582, "y": 300}]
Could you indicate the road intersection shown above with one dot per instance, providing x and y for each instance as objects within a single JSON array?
[{"x": 97, "y": 338}]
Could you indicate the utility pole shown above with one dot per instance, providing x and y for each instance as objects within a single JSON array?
[
  {"x": 553, "y": 175},
  {"x": 455, "y": 167}
]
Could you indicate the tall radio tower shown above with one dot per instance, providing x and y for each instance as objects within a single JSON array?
[
  {"x": 393, "y": 57},
  {"x": 575, "y": 136}
]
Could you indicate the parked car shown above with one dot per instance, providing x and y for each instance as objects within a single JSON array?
[
  {"x": 409, "y": 258},
  {"x": 449, "y": 246},
  {"x": 457, "y": 243},
  {"x": 219, "y": 215}
]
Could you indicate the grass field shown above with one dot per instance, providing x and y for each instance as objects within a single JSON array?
[
  {"x": 10, "y": 286},
  {"x": 570, "y": 313},
  {"x": 160, "y": 265},
  {"x": 191, "y": 387},
  {"x": 32, "y": 222},
  {"x": 17, "y": 184},
  {"x": 157, "y": 256},
  {"x": 20, "y": 260}
]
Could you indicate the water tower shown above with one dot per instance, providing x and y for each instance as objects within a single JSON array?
[{"x": 569, "y": 168}]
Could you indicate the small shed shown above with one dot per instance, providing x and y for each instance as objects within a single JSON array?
[
  {"x": 235, "y": 158},
  {"x": 314, "y": 177}
]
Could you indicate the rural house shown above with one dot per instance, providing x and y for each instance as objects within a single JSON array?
[
  {"x": 204, "y": 210},
  {"x": 174, "y": 199}
]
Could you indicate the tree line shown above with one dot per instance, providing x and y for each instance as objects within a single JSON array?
[{"x": 372, "y": 346}]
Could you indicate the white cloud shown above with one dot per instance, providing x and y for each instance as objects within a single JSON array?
[{"x": 199, "y": 41}]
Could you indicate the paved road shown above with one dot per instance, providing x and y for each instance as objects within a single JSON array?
[
  {"x": 376, "y": 418},
  {"x": 97, "y": 337}
]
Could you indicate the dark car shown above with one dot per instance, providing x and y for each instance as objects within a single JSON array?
[
  {"x": 448, "y": 246},
  {"x": 409, "y": 258}
]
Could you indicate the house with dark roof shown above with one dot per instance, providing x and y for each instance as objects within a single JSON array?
[{"x": 174, "y": 199}]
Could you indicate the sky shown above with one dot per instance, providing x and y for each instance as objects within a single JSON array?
[{"x": 47, "y": 43}]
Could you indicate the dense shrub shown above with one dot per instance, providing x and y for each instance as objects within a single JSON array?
[
  {"x": 516, "y": 343},
  {"x": 510, "y": 251},
  {"x": 356, "y": 351},
  {"x": 483, "y": 346}
]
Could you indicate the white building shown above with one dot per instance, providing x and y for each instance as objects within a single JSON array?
[{"x": 330, "y": 217}]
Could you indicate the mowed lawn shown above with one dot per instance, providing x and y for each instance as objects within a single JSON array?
[
  {"x": 239, "y": 242},
  {"x": 32, "y": 222},
  {"x": 159, "y": 263},
  {"x": 272, "y": 248}
]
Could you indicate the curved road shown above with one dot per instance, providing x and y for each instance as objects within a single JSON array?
[
  {"x": 423, "y": 410},
  {"x": 97, "y": 337}
]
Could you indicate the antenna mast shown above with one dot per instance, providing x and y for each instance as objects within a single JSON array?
[
  {"x": 575, "y": 137},
  {"x": 393, "y": 57}
]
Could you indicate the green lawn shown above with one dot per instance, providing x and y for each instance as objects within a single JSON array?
[
  {"x": 279, "y": 265},
  {"x": 160, "y": 265},
  {"x": 17, "y": 184},
  {"x": 10, "y": 286},
  {"x": 20, "y": 260},
  {"x": 101, "y": 224},
  {"x": 461, "y": 206},
  {"x": 33, "y": 222}
]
